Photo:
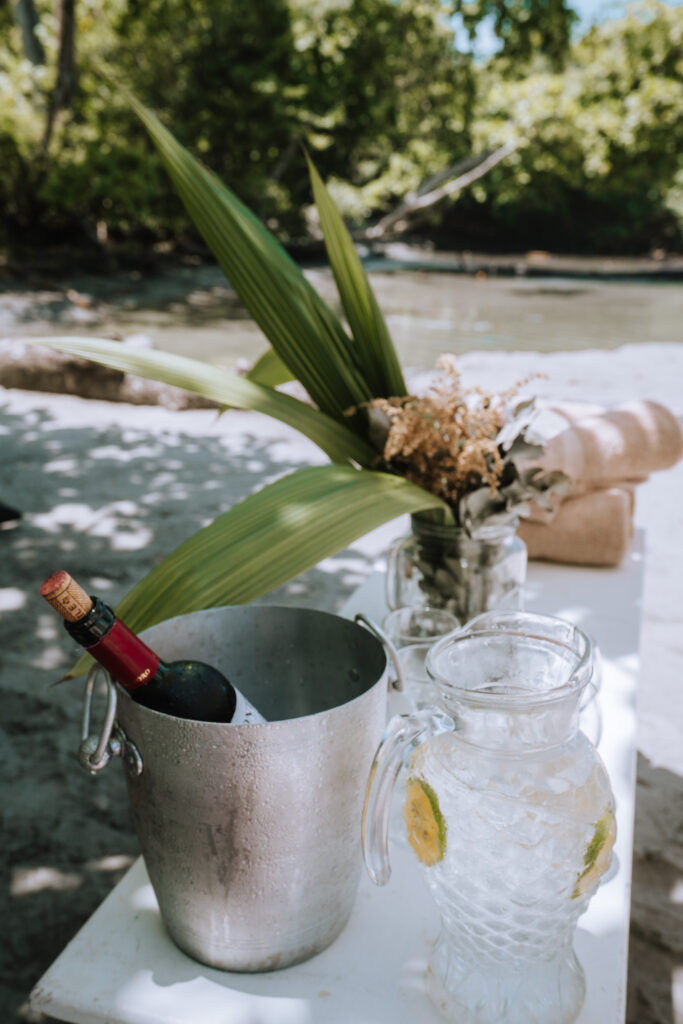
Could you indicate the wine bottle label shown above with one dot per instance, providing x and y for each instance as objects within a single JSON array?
[
  {"x": 127, "y": 659},
  {"x": 245, "y": 713}
]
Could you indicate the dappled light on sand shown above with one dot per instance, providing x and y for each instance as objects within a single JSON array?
[
  {"x": 106, "y": 490},
  {"x": 170, "y": 473}
]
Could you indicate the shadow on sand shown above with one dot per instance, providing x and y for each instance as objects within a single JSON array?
[
  {"x": 656, "y": 938},
  {"x": 107, "y": 502}
]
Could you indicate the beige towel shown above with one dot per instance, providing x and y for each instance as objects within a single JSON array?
[
  {"x": 606, "y": 453},
  {"x": 627, "y": 442},
  {"x": 536, "y": 514},
  {"x": 592, "y": 529}
]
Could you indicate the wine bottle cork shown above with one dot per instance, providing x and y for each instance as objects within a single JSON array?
[{"x": 66, "y": 596}]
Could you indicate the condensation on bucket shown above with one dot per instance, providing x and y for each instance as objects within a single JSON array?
[{"x": 251, "y": 833}]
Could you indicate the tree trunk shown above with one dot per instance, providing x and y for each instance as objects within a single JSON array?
[
  {"x": 27, "y": 19},
  {"x": 62, "y": 94}
]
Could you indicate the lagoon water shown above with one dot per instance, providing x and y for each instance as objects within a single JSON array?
[
  {"x": 193, "y": 311},
  {"x": 429, "y": 313}
]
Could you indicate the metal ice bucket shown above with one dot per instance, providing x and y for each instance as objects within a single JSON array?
[{"x": 251, "y": 833}]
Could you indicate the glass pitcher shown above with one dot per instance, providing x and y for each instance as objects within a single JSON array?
[{"x": 509, "y": 809}]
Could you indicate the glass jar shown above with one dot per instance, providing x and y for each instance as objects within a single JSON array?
[
  {"x": 446, "y": 567},
  {"x": 415, "y": 624},
  {"x": 509, "y": 809}
]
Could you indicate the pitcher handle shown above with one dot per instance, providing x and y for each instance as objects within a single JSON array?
[
  {"x": 403, "y": 734},
  {"x": 391, "y": 573}
]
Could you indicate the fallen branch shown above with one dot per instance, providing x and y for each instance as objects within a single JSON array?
[
  {"x": 397, "y": 219},
  {"x": 452, "y": 171}
]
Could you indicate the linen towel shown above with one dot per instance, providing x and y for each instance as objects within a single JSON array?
[
  {"x": 627, "y": 442},
  {"x": 606, "y": 453},
  {"x": 592, "y": 529}
]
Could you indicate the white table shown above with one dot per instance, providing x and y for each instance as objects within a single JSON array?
[{"x": 121, "y": 968}]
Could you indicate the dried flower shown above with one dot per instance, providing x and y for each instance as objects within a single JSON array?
[{"x": 463, "y": 445}]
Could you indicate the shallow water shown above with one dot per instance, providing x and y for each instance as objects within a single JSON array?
[
  {"x": 430, "y": 313},
  {"x": 193, "y": 311}
]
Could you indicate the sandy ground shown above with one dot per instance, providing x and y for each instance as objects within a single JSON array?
[{"x": 107, "y": 489}]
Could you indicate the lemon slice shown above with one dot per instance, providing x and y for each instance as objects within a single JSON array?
[
  {"x": 425, "y": 823},
  {"x": 597, "y": 856}
]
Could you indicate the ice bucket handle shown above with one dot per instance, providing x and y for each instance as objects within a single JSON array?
[
  {"x": 96, "y": 751},
  {"x": 378, "y": 632}
]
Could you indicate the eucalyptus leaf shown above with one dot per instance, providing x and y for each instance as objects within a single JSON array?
[
  {"x": 528, "y": 474},
  {"x": 544, "y": 500},
  {"x": 479, "y": 505},
  {"x": 522, "y": 449},
  {"x": 555, "y": 480},
  {"x": 526, "y": 405},
  {"x": 514, "y": 493},
  {"x": 378, "y": 426}
]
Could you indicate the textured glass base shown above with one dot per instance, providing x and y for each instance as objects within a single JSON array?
[{"x": 518, "y": 992}]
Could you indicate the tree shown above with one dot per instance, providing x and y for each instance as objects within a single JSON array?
[
  {"x": 379, "y": 94},
  {"x": 63, "y": 91},
  {"x": 27, "y": 19},
  {"x": 226, "y": 86},
  {"x": 526, "y": 29},
  {"x": 601, "y": 166},
  {"x": 388, "y": 99}
]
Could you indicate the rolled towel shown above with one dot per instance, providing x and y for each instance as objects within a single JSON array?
[
  {"x": 537, "y": 514},
  {"x": 571, "y": 412},
  {"x": 627, "y": 442},
  {"x": 592, "y": 529}
]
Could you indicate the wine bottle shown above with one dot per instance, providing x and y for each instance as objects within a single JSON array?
[{"x": 185, "y": 689}]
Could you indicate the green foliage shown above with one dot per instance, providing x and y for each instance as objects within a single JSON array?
[
  {"x": 293, "y": 523},
  {"x": 367, "y": 84},
  {"x": 97, "y": 167},
  {"x": 377, "y": 357},
  {"x": 225, "y": 82},
  {"x": 525, "y": 28},
  {"x": 382, "y": 99},
  {"x": 333, "y": 436},
  {"x": 265, "y": 540},
  {"x": 601, "y": 168},
  {"x": 388, "y": 97}
]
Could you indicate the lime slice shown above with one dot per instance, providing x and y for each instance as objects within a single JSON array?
[
  {"x": 425, "y": 823},
  {"x": 597, "y": 856}
]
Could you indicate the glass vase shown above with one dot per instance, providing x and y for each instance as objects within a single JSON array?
[
  {"x": 447, "y": 567},
  {"x": 509, "y": 809}
]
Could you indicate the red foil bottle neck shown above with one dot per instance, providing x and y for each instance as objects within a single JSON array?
[{"x": 124, "y": 655}]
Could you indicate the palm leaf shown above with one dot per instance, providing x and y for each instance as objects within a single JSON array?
[
  {"x": 338, "y": 442},
  {"x": 270, "y": 370},
  {"x": 379, "y": 359},
  {"x": 267, "y": 539},
  {"x": 300, "y": 326}
]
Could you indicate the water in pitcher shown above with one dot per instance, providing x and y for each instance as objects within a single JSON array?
[{"x": 512, "y": 816}]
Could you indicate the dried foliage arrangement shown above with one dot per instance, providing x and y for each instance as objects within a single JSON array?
[{"x": 475, "y": 449}]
